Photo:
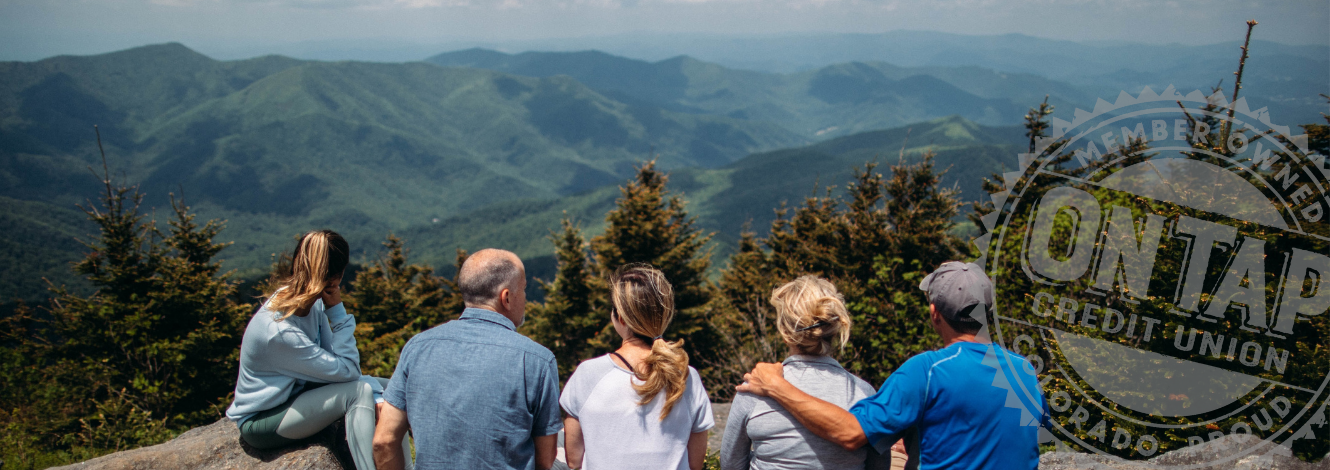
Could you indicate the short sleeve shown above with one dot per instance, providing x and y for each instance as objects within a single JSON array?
[
  {"x": 545, "y": 400},
  {"x": 395, "y": 392},
  {"x": 896, "y": 407},
  {"x": 703, "y": 419},
  {"x": 574, "y": 392}
]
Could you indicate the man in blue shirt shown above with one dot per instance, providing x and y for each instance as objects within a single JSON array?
[
  {"x": 474, "y": 392},
  {"x": 945, "y": 402}
]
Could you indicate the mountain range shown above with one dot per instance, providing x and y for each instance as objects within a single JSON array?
[
  {"x": 468, "y": 149},
  {"x": 822, "y": 103}
]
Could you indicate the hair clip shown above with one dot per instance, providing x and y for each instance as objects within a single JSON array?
[{"x": 809, "y": 327}]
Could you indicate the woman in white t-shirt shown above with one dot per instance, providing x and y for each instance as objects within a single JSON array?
[{"x": 640, "y": 406}]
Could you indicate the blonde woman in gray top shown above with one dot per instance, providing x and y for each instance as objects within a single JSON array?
[{"x": 760, "y": 434}]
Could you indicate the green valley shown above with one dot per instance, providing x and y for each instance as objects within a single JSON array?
[{"x": 455, "y": 157}]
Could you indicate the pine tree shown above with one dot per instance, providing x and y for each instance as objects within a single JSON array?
[
  {"x": 154, "y": 347},
  {"x": 393, "y": 301},
  {"x": 647, "y": 225},
  {"x": 874, "y": 243},
  {"x": 742, "y": 314},
  {"x": 573, "y": 313},
  {"x": 650, "y": 225}
]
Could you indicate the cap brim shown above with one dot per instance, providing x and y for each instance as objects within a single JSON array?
[{"x": 928, "y": 281}]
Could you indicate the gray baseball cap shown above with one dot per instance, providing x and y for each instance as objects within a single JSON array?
[{"x": 955, "y": 287}]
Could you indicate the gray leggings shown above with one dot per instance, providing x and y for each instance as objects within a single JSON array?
[{"x": 313, "y": 410}]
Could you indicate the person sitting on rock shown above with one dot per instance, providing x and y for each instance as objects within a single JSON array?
[
  {"x": 944, "y": 401},
  {"x": 641, "y": 406},
  {"x": 474, "y": 392},
  {"x": 812, "y": 319},
  {"x": 299, "y": 367}
]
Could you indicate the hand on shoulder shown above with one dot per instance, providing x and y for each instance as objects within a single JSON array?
[{"x": 764, "y": 379}]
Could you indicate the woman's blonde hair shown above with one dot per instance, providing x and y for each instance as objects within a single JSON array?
[
  {"x": 320, "y": 257},
  {"x": 811, "y": 315},
  {"x": 644, "y": 302}
]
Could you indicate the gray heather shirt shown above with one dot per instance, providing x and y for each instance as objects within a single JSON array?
[{"x": 761, "y": 435}]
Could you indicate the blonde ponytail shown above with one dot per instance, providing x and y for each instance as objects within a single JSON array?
[
  {"x": 666, "y": 368},
  {"x": 644, "y": 301},
  {"x": 811, "y": 315},
  {"x": 320, "y": 257}
]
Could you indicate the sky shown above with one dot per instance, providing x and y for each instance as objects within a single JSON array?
[{"x": 34, "y": 29}]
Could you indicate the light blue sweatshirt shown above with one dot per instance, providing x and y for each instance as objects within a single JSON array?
[{"x": 277, "y": 358}]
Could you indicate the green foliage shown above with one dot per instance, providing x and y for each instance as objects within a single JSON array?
[
  {"x": 152, "y": 350},
  {"x": 875, "y": 243},
  {"x": 393, "y": 301},
  {"x": 162, "y": 314},
  {"x": 713, "y": 460},
  {"x": 647, "y": 225},
  {"x": 650, "y": 225},
  {"x": 573, "y": 312}
]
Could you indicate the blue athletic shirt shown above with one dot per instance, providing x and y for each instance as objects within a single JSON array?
[{"x": 955, "y": 399}]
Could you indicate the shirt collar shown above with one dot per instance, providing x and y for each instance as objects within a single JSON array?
[
  {"x": 489, "y": 316},
  {"x": 813, "y": 359}
]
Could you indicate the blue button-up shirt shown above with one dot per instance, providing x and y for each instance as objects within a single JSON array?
[{"x": 475, "y": 393}]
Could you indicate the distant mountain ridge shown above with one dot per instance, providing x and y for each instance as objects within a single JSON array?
[
  {"x": 1286, "y": 78},
  {"x": 830, "y": 101}
]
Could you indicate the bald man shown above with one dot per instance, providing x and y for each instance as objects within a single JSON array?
[{"x": 474, "y": 392}]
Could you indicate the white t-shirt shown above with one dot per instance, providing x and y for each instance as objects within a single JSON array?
[{"x": 617, "y": 433}]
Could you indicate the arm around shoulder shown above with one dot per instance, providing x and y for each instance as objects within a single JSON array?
[{"x": 824, "y": 419}]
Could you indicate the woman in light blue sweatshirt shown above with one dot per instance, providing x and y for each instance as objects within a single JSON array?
[{"x": 299, "y": 367}]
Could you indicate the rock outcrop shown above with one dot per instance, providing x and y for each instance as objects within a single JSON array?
[
  {"x": 1227, "y": 452},
  {"x": 218, "y": 446}
]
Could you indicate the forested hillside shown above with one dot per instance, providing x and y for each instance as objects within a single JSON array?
[
  {"x": 275, "y": 145},
  {"x": 746, "y": 192},
  {"x": 449, "y": 157}
]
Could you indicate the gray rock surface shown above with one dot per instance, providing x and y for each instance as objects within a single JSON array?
[
  {"x": 218, "y": 446},
  {"x": 1228, "y": 452}
]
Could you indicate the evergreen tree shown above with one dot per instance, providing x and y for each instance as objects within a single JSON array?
[
  {"x": 647, "y": 225},
  {"x": 573, "y": 312},
  {"x": 393, "y": 301},
  {"x": 152, "y": 349},
  {"x": 874, "y": 243},
  {"x": 650, "y": 225}
]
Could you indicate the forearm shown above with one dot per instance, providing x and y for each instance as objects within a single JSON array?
[
  {"x": 388, "y": 453},
  {"x": 547, "y": 447},
  {"x": 697, "y": 450},
  {"x": 824, "y": 419},
  {"x": 388, "y": 435},
  {"x": 573, "y": 448}
]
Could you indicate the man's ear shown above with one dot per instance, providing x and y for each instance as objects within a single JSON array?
[{"x": 504, "y": 298}]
